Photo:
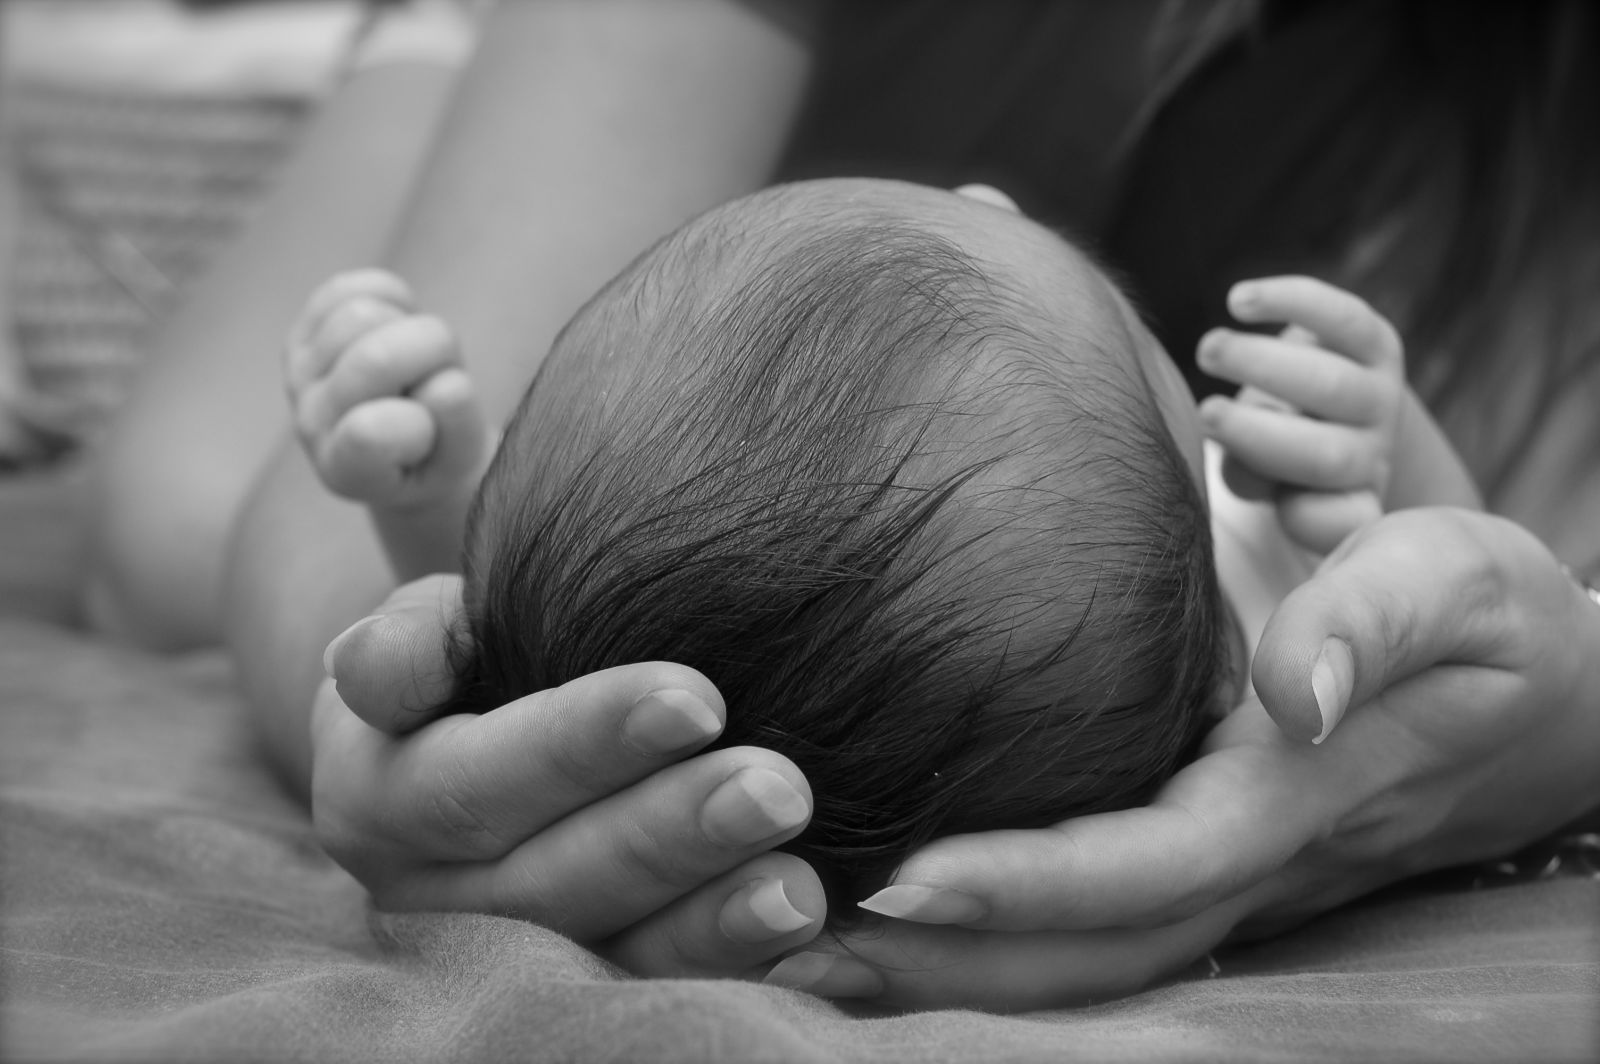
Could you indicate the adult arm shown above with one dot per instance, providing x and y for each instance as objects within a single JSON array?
[{"x": 1472, "y": 663}]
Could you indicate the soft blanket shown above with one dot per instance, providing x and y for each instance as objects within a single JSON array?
[{"x": 164, "y": 899}]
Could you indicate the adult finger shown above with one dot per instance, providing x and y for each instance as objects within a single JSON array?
[
  {"x": 393, "y": 668},
  {"x": 912, "y": 966},
  {"x": 474, "y": 787},
  {"x": 615, "y": 861},
  {"x": 598, "y": 871},
  {"x": 747, "y": 917},
  {"x": 1226, "y": 821},
  {"x": 1416, "y": 589}
]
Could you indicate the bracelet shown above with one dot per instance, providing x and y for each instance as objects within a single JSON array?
[{"x": 1583, "y": 584}]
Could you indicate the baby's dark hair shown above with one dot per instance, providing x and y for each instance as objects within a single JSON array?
[{"x": 938, "y": 552}]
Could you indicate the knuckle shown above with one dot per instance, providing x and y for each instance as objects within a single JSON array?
[
  {"x": 679, "y": 949},
  {"x": 374, "y": 277},
  {"x": 455, "y": 824},
  {"x": 334, "y": 289},
  {"x": 1371, "y": 330},
  {"x": 363, "y": 314},
  {"x": 667, "y": 865},
  {"x": 368, "y": 282},
  {"x": 1206, "y": 880},
  {"x": 1395, "y": 629},
  {"x": 671, "y": 943},
  {"x": 369, "y": 355},
  {"x": 356, "y": 277},
  {"x": 433, "y": 330},
  {"x": 1358, "y": 391},
  {"x": 1335, "y": 463},
  {"x": 1334, "y": 378},
  {"x": 360, "y": 429},
  {"x": 570, "y": 768}
]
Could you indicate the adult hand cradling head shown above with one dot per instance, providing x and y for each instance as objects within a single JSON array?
[{"x": 1469, "y": 732}]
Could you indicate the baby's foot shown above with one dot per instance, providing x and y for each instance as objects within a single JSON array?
[{"x": 381, "y": 404}]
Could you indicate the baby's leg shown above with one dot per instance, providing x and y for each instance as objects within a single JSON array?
[
  {"x": 208, "y": 409},
  {"x": 387, "y": 415}
]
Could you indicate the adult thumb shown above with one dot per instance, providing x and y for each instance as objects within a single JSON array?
[
  {"x": 1415, "y": 589},
  {"x": 392, "y": 668}
]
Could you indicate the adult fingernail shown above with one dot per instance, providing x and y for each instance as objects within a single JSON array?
[
  {"x": 1331, "y": 679},
  {"x": 330, "y": 655},
  {"x": 667, "y": 721},
  {"x": 760, "y": 912},
  {"x": 752, "y": 806},
  {"x": 926, "y": 905},
  {"x": 826, "y": 975}
]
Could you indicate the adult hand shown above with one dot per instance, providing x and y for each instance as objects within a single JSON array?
[
  {"x": 1473, "y": 665},
  {"x": 580, "y": 808}
]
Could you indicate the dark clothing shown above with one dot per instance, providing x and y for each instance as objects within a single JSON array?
[{"x": 1257, "y": 166}]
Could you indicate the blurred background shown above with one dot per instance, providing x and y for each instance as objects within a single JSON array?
[{"x": 135, "y": 135}]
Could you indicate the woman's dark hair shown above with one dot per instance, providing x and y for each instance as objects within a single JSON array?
[
  {"x": 1447, "y": 168},
  {"x": 1437, "y": 157},
  {"x": 956, "y": 571}
]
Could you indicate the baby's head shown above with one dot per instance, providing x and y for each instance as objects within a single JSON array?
[{"x": 904, "y": 476}]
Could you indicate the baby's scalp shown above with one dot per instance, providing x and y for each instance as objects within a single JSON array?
[
  {"x": 929, "y": 542},
  {"x": 1035, "y": 332}
]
